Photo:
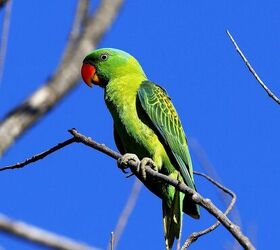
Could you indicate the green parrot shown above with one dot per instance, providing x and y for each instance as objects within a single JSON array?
[{"x": 147, "y": 125}]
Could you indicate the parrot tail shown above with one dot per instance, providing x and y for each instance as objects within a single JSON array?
[{"x": 172, "y": 219}]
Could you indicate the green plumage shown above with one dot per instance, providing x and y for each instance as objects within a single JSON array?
[{"x": 147, "y": 124}]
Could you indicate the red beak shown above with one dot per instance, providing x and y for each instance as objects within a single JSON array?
[{"x": 88, "y": 74}]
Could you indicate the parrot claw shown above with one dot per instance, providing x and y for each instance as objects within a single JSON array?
[
  {"x": 142, "y": 168},
  {"x": 123, "y": 161}
]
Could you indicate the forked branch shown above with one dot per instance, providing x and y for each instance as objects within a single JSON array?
[{"x": 195, "y": 196}]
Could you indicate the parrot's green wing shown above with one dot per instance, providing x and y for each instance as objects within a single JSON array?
[{"x": 159, "y": 108}]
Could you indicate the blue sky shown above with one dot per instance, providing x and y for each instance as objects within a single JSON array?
[{"x": 182, "y": 46}]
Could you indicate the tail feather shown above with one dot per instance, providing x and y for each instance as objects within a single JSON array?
[{"x": 172, "y": 219}]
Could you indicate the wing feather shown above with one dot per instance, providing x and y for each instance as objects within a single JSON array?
[{"x": 159, "y": 108}]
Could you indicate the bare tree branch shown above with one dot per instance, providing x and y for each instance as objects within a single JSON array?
[
  {"x": 5, "y": 36},
  {"x": 39, "y": 236},
  {"x": 128, "y": 208},
  {"x": 67, "y": 76},
  {"x": 112, "y": 242},
  {"x": 80, "y": 18},
  {"x": 195, "y": 235},
  {"x": 251, "y": 69},
  {"x": 79, "y": 21},
  {"x": 196, "y": 197}
]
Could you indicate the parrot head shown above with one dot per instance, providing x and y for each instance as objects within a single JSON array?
[{"x": 103, "y": 65}]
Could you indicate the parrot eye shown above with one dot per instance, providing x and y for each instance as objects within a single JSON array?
[{"x": 104, "y": 57}]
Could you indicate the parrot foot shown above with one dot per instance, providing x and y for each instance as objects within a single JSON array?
[
  {"x": 142, "y": 168},
  {"x": 123, "y": 161}
]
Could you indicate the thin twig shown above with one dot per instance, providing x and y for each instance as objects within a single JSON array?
[
  {"x": 251, "y": 69},
  {"x": 39, "y": 156},
  {"x": 39, "y": 236},
  {"x": 5, "y": 36},
  {"x": 112, "y": 241},
  {"x": 16, "y": 122},
  {"x": 195, "y": 196},
  {"x": 195, "y": 235},
  {"x": 128, "y": 208}
]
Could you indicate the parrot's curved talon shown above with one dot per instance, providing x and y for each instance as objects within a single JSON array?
[
  {"x": 142, "y": 168},
  {"x": 123, "y": 161},
  {"x": 121, "y": 166}
]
